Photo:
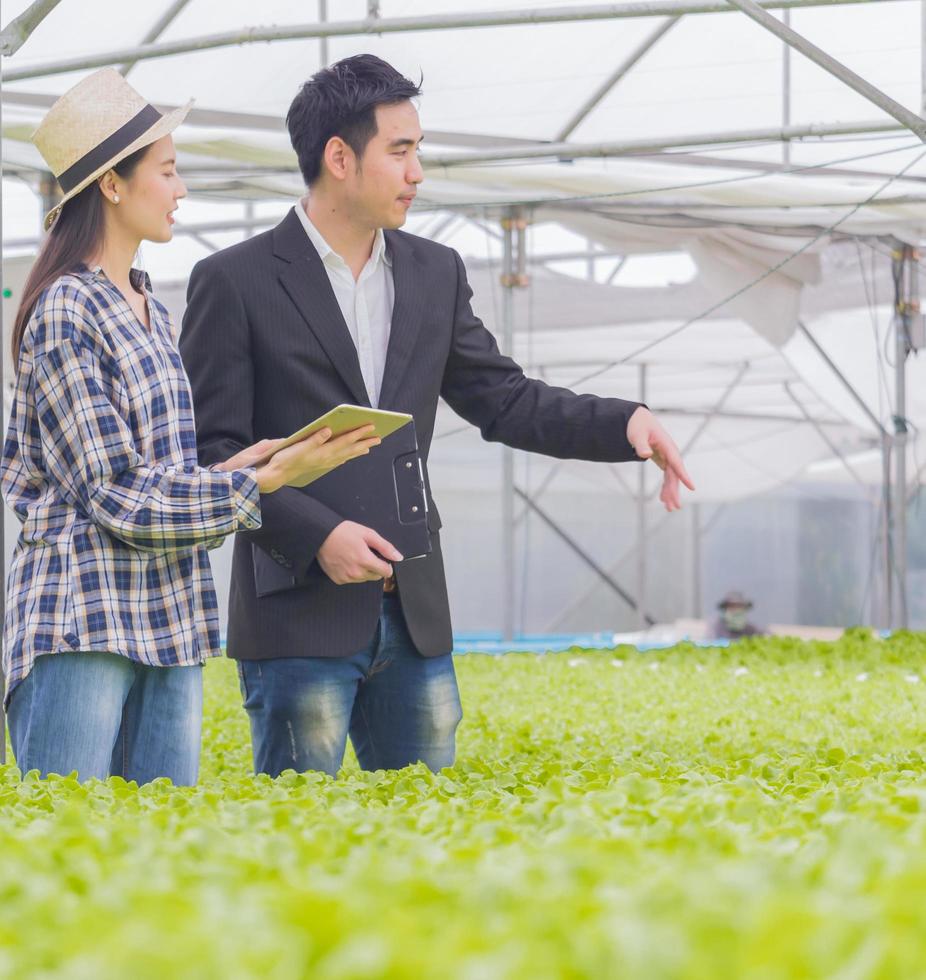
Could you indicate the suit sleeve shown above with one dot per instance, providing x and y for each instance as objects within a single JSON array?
[
  {"x": 215, "y": 344},
  {"x": 491, "y": 391}
]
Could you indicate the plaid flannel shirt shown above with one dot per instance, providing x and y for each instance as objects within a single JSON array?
[{"x": 100, "y": 467}]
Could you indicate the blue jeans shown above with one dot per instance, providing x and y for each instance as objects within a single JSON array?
[
  {"x": 397, "y": 706},
  {"x": 101, "y": 714}
]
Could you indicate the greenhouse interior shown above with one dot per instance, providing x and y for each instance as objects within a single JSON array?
[{"x": 713, "y": 207}]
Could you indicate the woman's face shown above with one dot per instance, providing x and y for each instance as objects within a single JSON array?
[{"x": 148, "y": 198}]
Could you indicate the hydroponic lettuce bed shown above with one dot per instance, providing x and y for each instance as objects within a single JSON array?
[{"x": 752, "y": 812}]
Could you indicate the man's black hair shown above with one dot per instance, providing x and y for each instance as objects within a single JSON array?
[{"x": 341, "y": 101}]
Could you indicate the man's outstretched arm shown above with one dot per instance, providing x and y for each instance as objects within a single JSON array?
[{"x": 492, "y": 392}]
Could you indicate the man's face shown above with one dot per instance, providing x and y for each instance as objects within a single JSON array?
[{"x": 380, "y": 190}]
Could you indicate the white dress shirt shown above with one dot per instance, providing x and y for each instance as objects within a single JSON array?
[{"x": 365, "y": 303}]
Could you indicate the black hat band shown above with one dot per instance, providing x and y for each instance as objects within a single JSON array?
[{"x": 124, "y": 136}]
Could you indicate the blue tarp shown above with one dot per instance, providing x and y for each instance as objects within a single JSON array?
[{"x": 557, "y": 642}]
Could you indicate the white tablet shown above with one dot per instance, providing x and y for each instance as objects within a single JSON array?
[{"x": 345, "y": 418}]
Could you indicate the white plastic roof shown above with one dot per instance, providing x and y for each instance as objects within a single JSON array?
[{"x": 719, "y": 220}]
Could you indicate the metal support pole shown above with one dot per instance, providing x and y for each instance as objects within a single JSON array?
[
  {"x": 696, "y": 561},
  {"x": 514, "y": 263},
  {"x": 507, "y": 452},
  {"x": 923, "y": 57},
  {"x": 249, "y": 216},
  {"x": 786, "y": 90},
  {"x": 641, "y": 526},
  {"x": 323, "y": 41},
  {"x": 900, "y": 479},
  {"x": 916, "y": 124},
  {"x": 907, "y": 306},
  {"x": 887, "y": 611}
]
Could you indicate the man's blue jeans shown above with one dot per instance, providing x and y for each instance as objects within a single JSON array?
[
  {"x": 100, "y": 714},
  {"x": 397, "y": 706}
]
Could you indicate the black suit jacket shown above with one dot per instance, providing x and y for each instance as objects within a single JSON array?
[{"x": 267, "y": 350}]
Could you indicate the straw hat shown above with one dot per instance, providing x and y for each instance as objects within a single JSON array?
[
  {"x": 93, "y": 126},
  {"x": 734, "y": 599}
]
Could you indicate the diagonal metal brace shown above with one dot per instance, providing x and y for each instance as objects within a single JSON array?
[
  {"x": 916, "y": 124},
  {"x": 17, "y": 32},
  {"x": 583, "y": 555}
]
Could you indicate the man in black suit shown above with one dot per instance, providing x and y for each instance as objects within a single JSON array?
[{"x": 333, "y": 634}]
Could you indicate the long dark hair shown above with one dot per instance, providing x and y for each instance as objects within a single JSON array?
[{"x": 76, "y": 234}]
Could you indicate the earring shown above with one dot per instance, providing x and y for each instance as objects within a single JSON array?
[{"x": 115, "y": 198}]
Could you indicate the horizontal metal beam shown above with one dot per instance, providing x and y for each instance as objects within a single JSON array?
[
  {"x": 197, "y": 116},
  {"x": 578, "y": 151},
  {"x": 223, "y": 118},
  {"x": 837, "y": 69},
  {"x": 770, "y": 167},
  {"x": 744, "y": 416},
  {"x": 228, "y": 119},
  {"x": 508, "y": 148},
  {"x": 397, "y": 25},
  {"x": 540, "y": 258},
  {"x": 163, "y": 22},
  {"x": 200, "y": 228}
]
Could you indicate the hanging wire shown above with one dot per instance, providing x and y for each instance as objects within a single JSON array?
[
  {"x": 869, "y": 279},
  {"x": 754, "y": 282},
  {"x": 738, "y": 292},
  {"x": 615, "y": 195}
]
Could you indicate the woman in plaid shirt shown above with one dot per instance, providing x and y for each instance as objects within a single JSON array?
[{"x": 111, "y": 610}]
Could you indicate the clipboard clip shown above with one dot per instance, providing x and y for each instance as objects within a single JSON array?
[{"x": 411, "y": 500}]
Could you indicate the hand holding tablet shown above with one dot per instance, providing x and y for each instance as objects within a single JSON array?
[
  {"x": 340, "y": 435},
  {"x": 342, "y": 419}
]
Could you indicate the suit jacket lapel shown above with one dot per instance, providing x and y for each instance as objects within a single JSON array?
[
  {"x": 305, "y": 280},
  {"x": 407, "y": 315}
]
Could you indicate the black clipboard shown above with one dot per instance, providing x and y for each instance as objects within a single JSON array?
[{"x": 384, "y": 490}]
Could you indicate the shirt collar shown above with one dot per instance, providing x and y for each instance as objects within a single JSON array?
[
  {"x": 137, "y": 277},
  {"x": 325, "y": 251},
  {"x": 140, "y": 280}
]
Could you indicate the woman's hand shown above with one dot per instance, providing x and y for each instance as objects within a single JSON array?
[
  {"x": 249, "y": 457},
  {"x": 303, "y": 462}
]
